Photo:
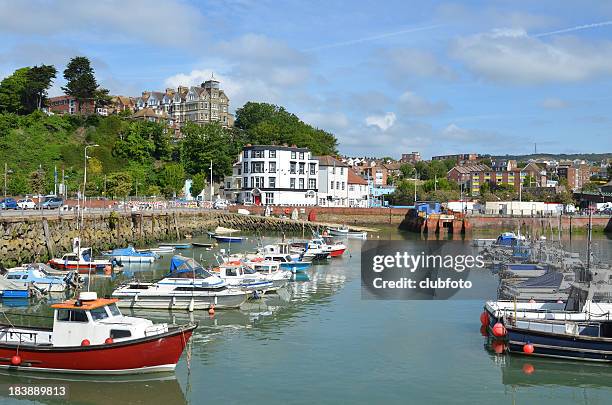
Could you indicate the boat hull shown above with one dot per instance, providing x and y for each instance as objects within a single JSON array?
[
  {"x": 151, "y": 354},
  {"x": 295, "y": 267},
  {"x": 182, "y": 303},
  {"x": 135, "y": 259},
  {"x": 336, "y": 252},
  {"x": 560, "y": 346},
  {"x": 228, "y": 239}
]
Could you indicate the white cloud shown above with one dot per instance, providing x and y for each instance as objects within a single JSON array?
[
  {"x": 512, "y": 56},
  {"x": 553, "y": 103},
  {"x": 169, "y": 22},
  {"x": 413, "y": 104},
  {"x": 384, "y": 122},
  {"x": 332, "y": 121}
]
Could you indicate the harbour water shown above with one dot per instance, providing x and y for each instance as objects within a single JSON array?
[{"x": 322, "y": 343}]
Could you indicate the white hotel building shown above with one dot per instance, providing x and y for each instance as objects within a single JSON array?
[{"x": 274, "y": 175}]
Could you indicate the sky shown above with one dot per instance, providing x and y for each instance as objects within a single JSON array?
[{"x": 489, "y": 77}]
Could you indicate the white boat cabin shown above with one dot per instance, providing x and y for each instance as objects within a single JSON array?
[
  {"x": 97, "y": 319},
  {"x": 265, "y": 267}
]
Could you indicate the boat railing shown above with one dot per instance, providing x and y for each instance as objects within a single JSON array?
[{"x": 511, "y": 314}]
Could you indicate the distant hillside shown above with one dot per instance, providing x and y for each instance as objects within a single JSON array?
[{"x": 592, "y": 157}]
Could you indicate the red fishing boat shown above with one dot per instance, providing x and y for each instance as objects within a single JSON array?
[
  {"x": 91, "y": 336},
  {"x": 81, "y": 259}
]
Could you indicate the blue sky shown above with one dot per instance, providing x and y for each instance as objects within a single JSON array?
[{"x": 384, "y": 77}]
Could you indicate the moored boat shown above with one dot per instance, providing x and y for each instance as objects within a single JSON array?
[
  {"x": 228, "y": 239},
  {"x": 131, "y": 255},
  {"x": 43, "y": 278},
  {"x": 91, "y": 336}
]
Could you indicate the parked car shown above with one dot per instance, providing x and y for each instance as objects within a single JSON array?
[
  {"x": 26, "y": 204},
  {"x": 220, "y": 205},
  {"x": 52, "y": 203},
  {"x": 8, "y": 203}
]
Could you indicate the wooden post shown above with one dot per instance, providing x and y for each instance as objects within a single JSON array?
[{"x": 48, "y": 239}]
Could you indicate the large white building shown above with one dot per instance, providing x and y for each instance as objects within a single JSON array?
[
  {"x": 358, "y": 190},
  {"x": 274, "y": 175},
  {"x": 333, "y": 182}
]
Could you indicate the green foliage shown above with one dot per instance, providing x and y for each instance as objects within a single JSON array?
[
  {"x": 172, "y": 178},
  {"x": 39, "y": 80},
  {"x": 119, "y": 184},
  {"x": 267, "y": 124},
  {"x": 38, "y": 182},
  {"x": 12, "y": 91},
  {"x": 591, "y": 186},
  {"x": 203, "y": 144},
  {"x": 198, "y": 183}
]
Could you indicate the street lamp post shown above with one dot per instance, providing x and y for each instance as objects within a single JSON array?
[
  {"x": 415, "y": 186},
  {"x": 85, "y": 175}
]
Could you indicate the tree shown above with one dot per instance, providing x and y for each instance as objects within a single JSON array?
[
  {"x": 135, "y": 143},
  {"x": 12, "y": 90},
  {"x": 203, "y": 144},
  {"x": 198, "y": 182},
  {"x": 38, "y": 181},
  {"x": 172, "y": 178},
  {"x": 81, "y": 81},
  {"x": 119, "y": 184},
  {"x": 39, "y": 81},
  {"x": 268, "y": 124},
  {"x": 529, "y": 181}
]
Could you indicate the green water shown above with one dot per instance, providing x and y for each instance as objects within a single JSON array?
[{"x": 327, "y": 345}]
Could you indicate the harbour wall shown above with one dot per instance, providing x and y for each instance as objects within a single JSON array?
[{"x": 28, "y": 239}]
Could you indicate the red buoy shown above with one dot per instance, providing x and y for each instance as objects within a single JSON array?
[
  {"x": 499, "y": 330},
  {"x": 484, "y": 318},
  {"x": 528, "y": 348},
  {"x": 528, "y": 368},
  {"x": 15, "y": 360},
  {"x": 85, "y": 342},
  {"x": 211, "y": 310},
  {"x": 109, "y": 340}
]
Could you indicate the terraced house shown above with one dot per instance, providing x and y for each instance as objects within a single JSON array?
[{"x": 202, "y": 104}]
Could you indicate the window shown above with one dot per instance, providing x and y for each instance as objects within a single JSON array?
[
  {"x": 312, "y": 183},
  {"x": 342, "y": 170},
  {"x": 269, "y": 198},
  {"x": 337, "y": 185},
  {"x": 246, "y": 167},
  {"x": 331, "y": 185},
  {"x": 351, "y": 188},
  {"x": 120, "y": 333},
  {"x": 312, "y": 168},
  {"x": 343, "y": 185},
  {"x": 257, "y": 167},
  {"x": 301, "y": 155},
  {"x": 258, "y": 154},
  {"x": 68, "y": 315},
  {"x": 292, "y": 183},
  {"x": 245, "y": 182},
  {"x": 302, "y": 166},
  {"x": 334, "y": 170},
  {"x": 292, "y": 168},
  {"x": 98, "y": 313},
  {"x": 301, "y": 183},
  {"x": 259, "y": 182},
  {"x": 272, "y": 182},
  {"x": 246, "y": 153},
  {"x": 272, "y": 167},
  {"x": 293, "y": 155},
  {"x": 273, "y": 154}
]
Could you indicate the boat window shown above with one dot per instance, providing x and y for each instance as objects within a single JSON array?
[
  {"x": 120, "y": 333},
  {"x": 230, "y": 272},
  {"x": 114, "y": 310},
  {"x": 98, "y": 314},
  {"x": 24, "y": 277},
  {"x": 67, "y": 315},
  {"x": 13, "y": 276},
  {"x": 248, "y": 270}
]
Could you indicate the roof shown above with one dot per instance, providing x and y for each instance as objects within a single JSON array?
[
  {"x": 467, "y": 169},
  {"x": 86, "y": 305},
  {"x": 149, "y": 112},
  {"x": 327, "y": 160},
  {"x": 354, "y": 178}
]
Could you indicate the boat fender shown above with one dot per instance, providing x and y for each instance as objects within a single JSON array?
[
  {"x": 211, "y": 309},
  {"x": 528, "y": 348},
  {"x": 16, "y": 360},
  {"x": 484, "y": 318},
  {"x": 85, "y": 342},
  {"x": 109, "y": 341},
  {"x": 499, "y": 330}
]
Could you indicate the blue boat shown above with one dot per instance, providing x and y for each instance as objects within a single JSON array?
[
  {"x": 131, "y": 255},
  {"x": 228, "y": 239},
  {"x": 42, "y": 277},
  {"x": 289, "y": 263}
]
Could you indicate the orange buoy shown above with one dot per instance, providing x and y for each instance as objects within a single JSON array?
[
  {"x": 528, "y": 348},
  {"x": 108, "y": 270},
  {"x": 109, "y": 340},
  {"x": 85, "y": 342},
  {"x": 499, "y": 330},
  {"x": 484, "y": 318},
  {"x": 16, "y": 360},
  {"x": 211, "y": 310},
  {"x": 528, "y": 368}
]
